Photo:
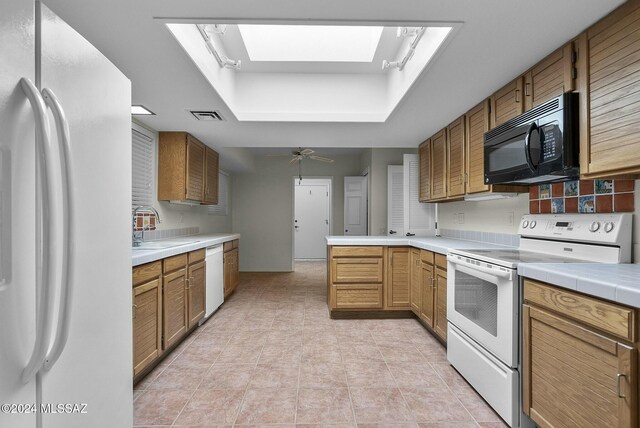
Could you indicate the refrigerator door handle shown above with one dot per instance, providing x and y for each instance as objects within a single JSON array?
[
  {"x": 45, "y": 298},
  {"x": 66, "y": 286}
]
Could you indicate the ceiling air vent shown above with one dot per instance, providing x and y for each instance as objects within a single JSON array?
[{"x": 207, "y": 115}]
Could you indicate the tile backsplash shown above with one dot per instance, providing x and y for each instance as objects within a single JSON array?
[{"x": 582, "y": 196}]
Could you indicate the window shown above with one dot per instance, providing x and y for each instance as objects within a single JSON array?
[
  {"x": 142, "y": 160},
  {"x": 223, "y": 196}
]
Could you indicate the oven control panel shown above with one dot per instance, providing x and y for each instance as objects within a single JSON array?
[{"x": 600, "y": 228}]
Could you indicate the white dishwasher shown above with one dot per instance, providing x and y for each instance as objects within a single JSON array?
[{"x": 215, "y": 280}]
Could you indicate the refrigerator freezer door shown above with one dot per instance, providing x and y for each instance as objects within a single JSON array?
[
  {"x": 95, "y": 367},
  {"x": 17, "y": 209}
]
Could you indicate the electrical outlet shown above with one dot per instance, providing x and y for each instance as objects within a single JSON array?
[
  {"x": 510, "y": 218},
  {"x": 460, "y": 218}
]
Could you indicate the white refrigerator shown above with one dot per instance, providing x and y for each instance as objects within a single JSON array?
[{"x": 65, "y": 199}]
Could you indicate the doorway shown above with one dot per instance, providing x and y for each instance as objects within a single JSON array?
[{"x": 311, "y": 217}]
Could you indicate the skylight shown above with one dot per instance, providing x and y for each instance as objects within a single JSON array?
[{"x": 310, "y": 43}]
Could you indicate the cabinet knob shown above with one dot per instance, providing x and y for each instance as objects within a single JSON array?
[
  {"x": 135, "y": 310},
  {"x": 618, "y": 376}
]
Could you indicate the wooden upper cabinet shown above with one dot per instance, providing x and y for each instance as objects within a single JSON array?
[
  {"x": 211, "y": 167},
  {"x": 610, "y": 134},
  {"x": 398, "y": 277},
  {"x": 507, "y": 103},
  {"x": 424, "y": 156},
  {"x": 439, "y": 165},
  {"x": 550, "y": 78},
  {"x": 185, "y": 168},
  {"x": 456, "y": 154},
  {"x": 477, "y": 121}
]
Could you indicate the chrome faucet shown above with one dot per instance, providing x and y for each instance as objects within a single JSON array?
[{"x": 136, "y": 240}]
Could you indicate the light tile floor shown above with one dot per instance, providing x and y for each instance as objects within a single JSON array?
[{"x": 271, "y": 356}]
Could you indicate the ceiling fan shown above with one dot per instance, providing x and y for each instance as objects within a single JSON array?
[{"x": 298, "y": 155}]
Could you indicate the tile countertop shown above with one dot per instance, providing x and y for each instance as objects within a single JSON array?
[
  {"x": 431, "y": 243},
  {"x": 617, "y": 282},
  {"x": 204, "y": 240}
]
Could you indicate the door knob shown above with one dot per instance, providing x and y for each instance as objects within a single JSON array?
[{"x": 392, "y": 232}]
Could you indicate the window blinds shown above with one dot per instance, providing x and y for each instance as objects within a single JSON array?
[
  {"x": 223, "y": 196},
  {"x": 142, "y": 159}
]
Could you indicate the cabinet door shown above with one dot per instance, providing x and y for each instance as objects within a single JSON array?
[
  {"x": 574, "y": 376},
  {"x": 550, "y": 78},
  {"x": 398, "y": 278},
  {"x": 227, "y": 273},
  {"x": 611, "y": 144},
  {"x": 507, "y": 103},
  {"x": 195, "y": 170},
  {"x": 235, "y": 269},
  {"x": 211, "y": 177},
  {"x": 440, "y": 304},
  {"x": 439, "y": 165},
  {"x": 426, "y": 304},
  {"x": 357, "y": 270},
  {"x": 147, "y": 324},
  {"x": 175, "y": 307},
  {"x": 416, "y": 281},
  {"x": 424, "y": 158},
  {"x": 477, "y": 123},
  {"x": 196, "y": 294},
  {"x": 455, "y": 158}
]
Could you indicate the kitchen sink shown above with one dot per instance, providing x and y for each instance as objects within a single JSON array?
[{"x": 161, "y": 245}]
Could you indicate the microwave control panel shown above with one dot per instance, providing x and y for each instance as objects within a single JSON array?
[{"x": 551, "y": 141}]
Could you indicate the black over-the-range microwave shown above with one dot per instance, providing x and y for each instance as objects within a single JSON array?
[{"x": 539, "y": 146}]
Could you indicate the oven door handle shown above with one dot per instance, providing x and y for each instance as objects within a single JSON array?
[{"x": 471, "y": 269}]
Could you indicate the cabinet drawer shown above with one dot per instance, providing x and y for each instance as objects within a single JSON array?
[
  {"x": 426, "y": 256},
  {"x": 235, "y": 243},
  {"x": 357, "y": 251},
  {"x": 358, "y": 296},
  {"x": 196, "y": 256},
  {"x": 609, "y": 317},
  {"x": 356, "y": 270},
  {"x": 146, "y": 272},
  {"x": 441, "y": 261},
  {"x": 227, "y": 246},
  {"x": 175, "y": 262}
]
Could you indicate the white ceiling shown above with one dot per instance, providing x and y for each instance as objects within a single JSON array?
[{"x": 498, "y": 40}]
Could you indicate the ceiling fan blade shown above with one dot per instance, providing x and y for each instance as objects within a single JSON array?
[
  {"x": 294, "y": 160},
  {"x": 321, "y": 159},
  {"x": 279, "y": 155},
  {"x": 306, "y": 152}
]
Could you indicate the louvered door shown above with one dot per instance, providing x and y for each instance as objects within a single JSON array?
[
  {"x": 455, "y": 158},
  {"x": 439, "y": 165},
  {"x": 211, "y": 176},
  {"x": 195, "y": 170},
  {"x": 175, "y": 306},
  {"x": 612, "y": 145},
  {"x": 395, "y": 200},
  {"x": 147, "y": 324},
  {"x": 424, "y": 154},
  {"x": 507, "y": 103},
  {"x": 550, "y": 78},
  {"x": 398, "y": 278},
  {"x": 477, "y": 121}
]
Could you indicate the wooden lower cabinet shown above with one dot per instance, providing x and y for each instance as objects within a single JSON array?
[
  {"x": 355, "y": 278},
  {"x": 440, "y": 302},
  {"x": 174, "y": 306},
  {"x": 196, "y": 295},
  {"x": 398, "y": 276},
  {"x": 147, "y": 324},
  {"x": 426, "y": 295},
  {"x": 231, "y": 268},
  {"x": 575, "y": 374},
  {"x": 416, "y": 281}
]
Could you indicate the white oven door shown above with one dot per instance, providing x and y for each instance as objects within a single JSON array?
[{"x": 482, "y": 302}]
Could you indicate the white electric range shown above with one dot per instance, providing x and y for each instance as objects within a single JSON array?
[{"x": 484, "y": 297}]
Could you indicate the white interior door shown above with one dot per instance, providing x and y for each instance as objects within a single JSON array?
[
  {"x": 419, "y": 218},
  {"x": 395, "y": 200},
  {"x": 355, "y": 206},
  {"x": 311, "y": 223}
]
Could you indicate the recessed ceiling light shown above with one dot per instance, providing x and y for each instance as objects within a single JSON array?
[
  {"x": 310, "y": 43},
  {"x": 140, "y": 109}
]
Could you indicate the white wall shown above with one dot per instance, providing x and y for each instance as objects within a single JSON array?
[
  {"x": 486, "y": 216},
  {"x": 175, "y": 216},
  {"x": 263, "y": 208}
]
